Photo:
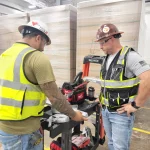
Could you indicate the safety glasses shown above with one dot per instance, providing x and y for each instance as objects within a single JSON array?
[{"x": 105, "y": 41}]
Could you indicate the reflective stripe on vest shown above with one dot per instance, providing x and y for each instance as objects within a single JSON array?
[
  {"x": 122, "y": 55},
  {"x": 119, "y": 84},
  {"x": 122, "y": 83},
  {"x": 113, "y": 86},
  {"x": 121, "y": 59},
  {"x": 19, "y": 99},
  {"x": 11, "y": 102},
  {"x": 10, "y": 84},
  {"x": 18, "y": 63}
]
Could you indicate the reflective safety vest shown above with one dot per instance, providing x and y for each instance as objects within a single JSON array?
[
  {"x": 19, "y": 98},
  {"x": 116, "y": 89}
]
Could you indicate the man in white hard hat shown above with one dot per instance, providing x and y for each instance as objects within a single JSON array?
[{"x": 25, "y": 80}]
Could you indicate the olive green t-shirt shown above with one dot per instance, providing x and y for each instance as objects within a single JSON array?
[{"x": 38, "y": 69}]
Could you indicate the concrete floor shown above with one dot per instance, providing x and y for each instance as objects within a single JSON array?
[{"x": 139, "y": 140}]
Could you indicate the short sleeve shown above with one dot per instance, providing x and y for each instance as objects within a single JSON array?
[
  {"x": 40, "y": 68},
  {"x": 136, "y": 64}
]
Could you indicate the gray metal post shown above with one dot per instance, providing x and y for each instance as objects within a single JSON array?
[
  {"x": 66, "y": 142},
  {"x": 58, "y": 2}
]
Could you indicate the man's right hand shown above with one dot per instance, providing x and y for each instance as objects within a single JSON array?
[{"x": 79, "y": 117}]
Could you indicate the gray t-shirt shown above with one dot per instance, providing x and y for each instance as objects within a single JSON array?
[{"x": 135, "y": 64}]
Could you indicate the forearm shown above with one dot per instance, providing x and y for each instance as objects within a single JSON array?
[
  {"x": 144, "y": 90},
  {"x": 57, "y": 99}
]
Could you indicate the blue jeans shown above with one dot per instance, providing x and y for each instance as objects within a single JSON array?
[
  {"x": 33, "y": 141},
  {"x": 118, "y": 128}
]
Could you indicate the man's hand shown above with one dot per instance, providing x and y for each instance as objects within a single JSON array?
[
  {"x": 97, "y": 100},
  {"x": 79, "y": 117},
  {"x": 126, "y": 108}
]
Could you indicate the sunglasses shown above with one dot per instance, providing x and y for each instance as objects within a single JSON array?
[{"x": 105, "y": 41}]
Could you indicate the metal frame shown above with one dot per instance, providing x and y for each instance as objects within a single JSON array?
[{"x": 66, "y": 128}]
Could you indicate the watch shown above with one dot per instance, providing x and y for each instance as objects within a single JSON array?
[{"x": 133, "y": 104}]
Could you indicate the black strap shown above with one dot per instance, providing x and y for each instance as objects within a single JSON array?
[{"x": 23, "y": 99}]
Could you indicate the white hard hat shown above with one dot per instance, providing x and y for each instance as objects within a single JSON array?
[{"x": 39, "y": 26}]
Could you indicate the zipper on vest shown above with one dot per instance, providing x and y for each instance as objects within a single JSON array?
[
  {"x": 23, "y": 101},
  {"x": 104, "y": 82}
]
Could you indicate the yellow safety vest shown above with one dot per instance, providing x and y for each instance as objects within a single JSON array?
[
  {"x": 115, "y": 89},
  {"x": 19, "y": 98}
]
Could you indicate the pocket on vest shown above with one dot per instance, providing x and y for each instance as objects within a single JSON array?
[
  {"x": 118, "y": 99},
  {"x": 124, "y": 98}
]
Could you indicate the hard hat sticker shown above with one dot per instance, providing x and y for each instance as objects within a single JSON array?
[
  {"x": 34, "y": 23},
  {"x": 106, "y": 29}
]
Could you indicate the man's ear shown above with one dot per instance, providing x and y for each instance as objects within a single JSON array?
[{"x": 38, "y": 38}]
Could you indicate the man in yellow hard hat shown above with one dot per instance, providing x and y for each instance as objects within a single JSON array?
[
  {"x": 125, "y": 86},
  {"x": 26, "y": 78}
]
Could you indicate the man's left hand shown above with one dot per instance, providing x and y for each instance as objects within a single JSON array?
[{"x": 126, "y": 108}]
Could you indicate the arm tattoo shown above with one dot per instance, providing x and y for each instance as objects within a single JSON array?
[{"x": 57, "y": 99}]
